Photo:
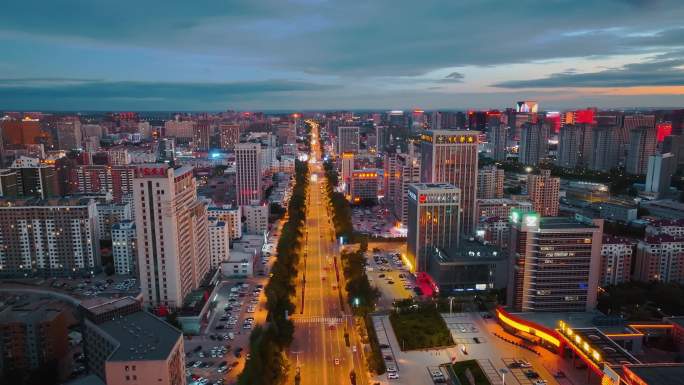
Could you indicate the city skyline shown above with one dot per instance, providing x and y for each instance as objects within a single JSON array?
[{"x": 315, "y": 55}]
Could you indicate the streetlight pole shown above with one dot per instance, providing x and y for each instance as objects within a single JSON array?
[
  {"x": 451, "y": 305},
  {"x": 503, "y": 372}
]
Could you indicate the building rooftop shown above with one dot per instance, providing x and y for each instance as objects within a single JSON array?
[
  {"x": 426, "y": 186},
  {"x": 29, "y": 312},
  {"x": 559, "y": 223},
  {"x": 610, "y": 351},
  {"x": 589, "y": 319},
  {"x": 141, "y": 336},
  {"x": 659, "y": 374},
  {"x": 37, "y": 202},
  {"x": 470, "y": 251},
  {"x": 100, "y": 305}
]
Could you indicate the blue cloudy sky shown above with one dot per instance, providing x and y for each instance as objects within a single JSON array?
[{"x": 318, "y": 54}]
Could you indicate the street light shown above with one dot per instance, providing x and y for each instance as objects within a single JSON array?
[
  {"x": 451, "y": 305},
  {"x": 503, "y": 372}
]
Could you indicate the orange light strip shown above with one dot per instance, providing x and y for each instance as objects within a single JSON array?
[
  {"x": 625, "y": 335},
  {"x": 646, "y": 326},
  {"x": 586, "y": 358},
  {"x": 528, "y": 329}
]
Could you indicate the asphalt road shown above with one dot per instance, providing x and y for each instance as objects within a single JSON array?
[{"x": 321, "y": 319}]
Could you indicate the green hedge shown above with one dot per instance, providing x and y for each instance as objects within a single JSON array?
[{"x": 459, "y": 370}]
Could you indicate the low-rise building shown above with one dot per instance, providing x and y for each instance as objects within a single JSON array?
[
  {"x": 126, "y": 345},
  {"x": 256, "y": 218},
  {"x": 239, "y": 264},
  {"x": 616, "y": 260},
  {"x": 617, "y": 211},
  {"x": 219, "y": 242},
  {"x": 364, "y": 185},
  {"x": 660, "y": 258}
]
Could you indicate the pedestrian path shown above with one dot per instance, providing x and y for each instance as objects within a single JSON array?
[{"x": 315, "y": 319}]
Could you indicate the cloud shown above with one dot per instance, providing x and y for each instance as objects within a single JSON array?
[
  {"x": 71, "y": 92},
  {"x": 454, "y": 77},
  {"x": 659, "y": 72}
]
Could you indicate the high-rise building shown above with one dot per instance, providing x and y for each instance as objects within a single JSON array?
[
  {"x": 607, "y": 148},
  {"x": 642, "y": 144},
  {"x": 171, "y": 233},
  {"x": 556, "y": 263},
  {"x": 630, "y": 122},
  {"x": 490, "y": 182},
  {"x": 575, "y": 145},
  {"x": 497, "y": 136},
  {"x": 348, "y": 139},
  {"x": 219, "y": 242},
  {"x": 109, "y": 213},
  {"x": 35, "y": 179},
  {"x": 661, "y": 167},
  {"x": 543, "y": 190},
  {"x": 382, "y": 137},
  {"x": 69, "y": 134},
  {"x": 229, "y": 135},
  {"x": 166, "y": 150},
  {"x": 433, "y": 221},
  {"x": 101, "y": 179},
  {"x": 256, "y": 218},
  {"x": 527, "y": 106},
  {"x": 53, "y": 237},
  {"x": 248, "y": 172},
  {"x": 616, "y": 260},
  {"x": 408, "y": 170},
  {"x": 126, "y": 345},
  {"x": 451, "y": 157},
  {"x": 20, "y": 131},
  {"x": 674, "y": 144},
  {"x": 232, "y": 216},
  {"x": 660, "y": 258},
  {"x": 201, "y": 136},
  {"x": 390, "y": 174},
  {"x": 534, "y": 143},
  {"x": 347, "y": 168},
  {"x": 364, "y": 186},
  {"x": 34, "y": 334},
  {"x": 179, "y": 129},
  {"x": 124, "y": 248}
]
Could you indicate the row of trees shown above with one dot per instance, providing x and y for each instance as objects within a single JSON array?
[
  {"x": 267, "y": 364},
  {"x": 360, "y": 294}
]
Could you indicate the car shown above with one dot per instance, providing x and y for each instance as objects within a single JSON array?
[
  {"x": 392, "y": 376},
  {"x": 524, "y": 364},
  {"x": 197, "y": 364},
  {"x": 436, "y": 373},
  {"x": 337, "y": 361},
  {"x": 381, "y": 276},
  {"x": 390, "y": 282},
  {"x": 353, "y": 348},
  {"x": 539, "y": 382},
  {"x": 531, "y": 374},
  {"x": 391, "y": 368},
  {"x": 197, "y": 348}
]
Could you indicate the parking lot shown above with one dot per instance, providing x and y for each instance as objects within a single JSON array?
[
  {"x": 387, "y": 272},
  {"x": 377, "y": 221}
]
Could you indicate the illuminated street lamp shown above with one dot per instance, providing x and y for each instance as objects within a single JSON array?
[{"x": 503, "y": 372}]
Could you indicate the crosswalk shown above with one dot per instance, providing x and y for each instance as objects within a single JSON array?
[{"x": 316, "y": 319}]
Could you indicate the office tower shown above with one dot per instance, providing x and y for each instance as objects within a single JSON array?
[
  {"x": 390, "y": 174},
  {"x": 477, "y": 120},
  {"x": 498, "y": 136},
  {"x": 517, "y": 121},
  {"x": 607, "y": 148},
  {"x": 556, "y": 263},
  {"x": 201, "y": 136},
  {"x": 20, "y": 131},
  {"x": 661, "y": 167},
  {"x": 35, "y": 179},
  {"x": 171, "y": 233},
  {"x": 674, "y": 144},
  {"x": 229, "y": 135},
  {"x": 527, "y": 106},
  {"x": 124, "y": 248},
  {"x": 256, "y": 218},
  {"x": 166, "y": 150},
  {"x": 501, "y": 207},
  {"x": 382, "y": 137},
  {"x": 348, "y": 140},
  {"x": 642, "y": 144},
  {"x": 109, "y": 213},
  {"x": 9, "y": 187},
  {"x": 34, "y": 333},
  {"x": 660, "y": 258},
  {"x": 616, "y": 260},
  {"x": 408, "y": 169},
  {"x": 534, "y": 143},
  {"x": 180, "y": 129},
  {"x": 101, "y": 179},
  {"x": 69, "y": 134},
  {"x": 630, "y": 122},
  {"x": 126, "y": 345},
  {"x": 248, "y": 172},
  {"x": 347, "y": 168},
  {"x": 543, "y": 190},
  {"x": 433, "y": 221},
  {"x": 219, "y": 242},
  {"x": 490, "y": 182},
  {"x": 677, "y": 119},
  {"x": 232, "y": 215},
  {"x": 451, "y": 157},
  {"x": 53, "y": 237},
  {"x": 574, "y": 148},
  {"x": 364, "y": 186}
]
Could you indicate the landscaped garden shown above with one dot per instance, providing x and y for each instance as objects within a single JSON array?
[{"x": 419, "y": 326}]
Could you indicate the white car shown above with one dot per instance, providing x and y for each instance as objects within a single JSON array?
[{"x": 392, "y": 376}]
